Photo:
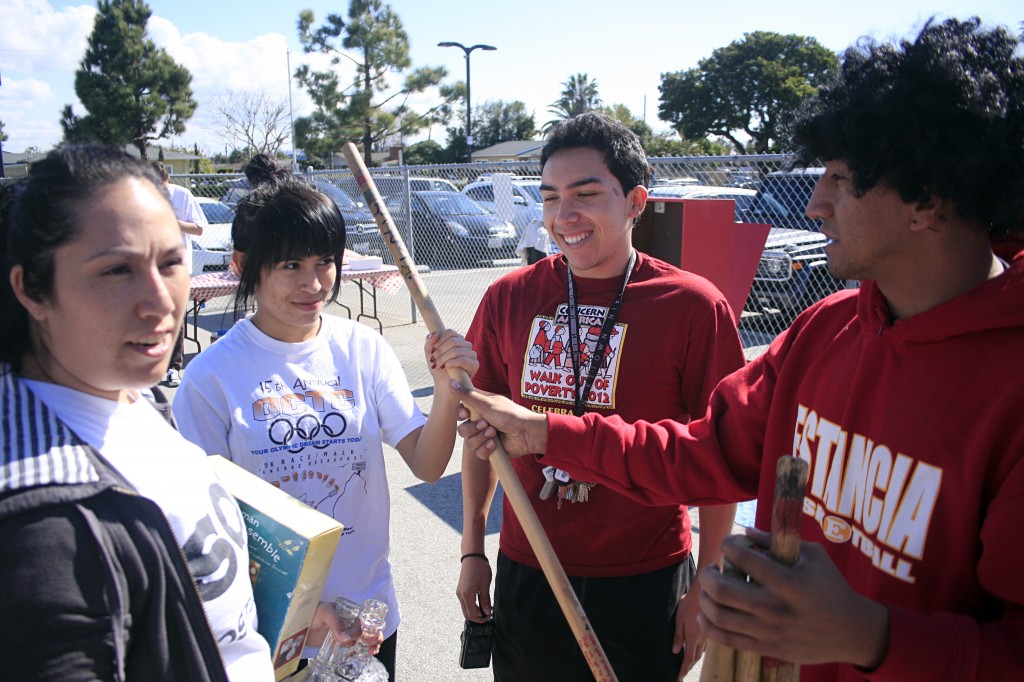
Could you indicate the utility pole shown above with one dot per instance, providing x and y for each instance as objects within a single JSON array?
[{"x": 291, "y": 119}]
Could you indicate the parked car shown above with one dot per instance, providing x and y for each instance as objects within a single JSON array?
[
  {"x": 211, "y": 251},
  {"x": 527, "y": 204},
  {"x": 349, "y": 186},
  {"x": 361, "y": 233},
  {"x": 792, "y": 272},
  {"x": 389, "y": 185},
  {"x": 237, "y": 189},
  {"x": 750, "y": 206},
  {"x": 450, "y": 228},
  {"x": 672, "y": 182},
  {"x": 791, "y": 190}
]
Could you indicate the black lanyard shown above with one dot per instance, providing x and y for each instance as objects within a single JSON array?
[{"x": 597, "y": 357}]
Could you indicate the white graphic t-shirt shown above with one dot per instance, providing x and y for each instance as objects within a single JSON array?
[{"x": 311, "y": 418}]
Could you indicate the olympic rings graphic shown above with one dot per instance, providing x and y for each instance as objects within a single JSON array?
[{"x": 282, "y": 431}]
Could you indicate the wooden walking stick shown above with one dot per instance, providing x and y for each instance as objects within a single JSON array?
[
  {"x": 725, "y": 664},
  {"x": 748, "y": 664},
  {"x": 787, "y": 513},
  {"x": 567, "y": 600},
  {"x": 719, "y": 663}
]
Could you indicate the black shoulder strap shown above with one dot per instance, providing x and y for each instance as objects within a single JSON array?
[{"x": 160, "y": 403}]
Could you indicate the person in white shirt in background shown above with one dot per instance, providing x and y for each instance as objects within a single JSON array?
[{"x": 191, "y": 221}]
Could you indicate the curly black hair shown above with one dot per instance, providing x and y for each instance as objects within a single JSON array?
[{"x": 942, "y": 116}]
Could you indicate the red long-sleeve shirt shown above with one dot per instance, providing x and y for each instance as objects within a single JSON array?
[{"x": 915, "y": 439}]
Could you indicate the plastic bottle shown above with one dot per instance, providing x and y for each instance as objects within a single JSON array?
[
  {"x": 359, "y": 665},
  {"x": 336, "y": 662},
  {"x": 324, "y": 667}
]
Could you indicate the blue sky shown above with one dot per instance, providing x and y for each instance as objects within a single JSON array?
[{"x": 239, "y": 44}]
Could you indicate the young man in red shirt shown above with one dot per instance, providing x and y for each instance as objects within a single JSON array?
[{"x": 625, "y": 334}]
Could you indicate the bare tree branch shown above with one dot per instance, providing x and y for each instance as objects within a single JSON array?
[{"x": 255, "y": 119}]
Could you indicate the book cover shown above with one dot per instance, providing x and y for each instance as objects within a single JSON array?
[{"x": 291, "y": 546}]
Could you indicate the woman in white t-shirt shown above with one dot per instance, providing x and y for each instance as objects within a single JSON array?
[
  {"x": 104, "y": 508},
  {"x": 306, "y": 400}
]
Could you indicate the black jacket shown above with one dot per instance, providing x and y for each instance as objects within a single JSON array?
[{"x": 93, "y": 584}]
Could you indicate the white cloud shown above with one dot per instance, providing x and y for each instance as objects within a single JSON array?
[
  {"x": 41, "y": 50},
  {"x": 219, "y": 67},
  {"x": 21, "y": 94},
  {"x": 20, "y": 101},
  {"x": 42, "y": 134},
  {"x": 38, "y": 38},
  {"x": 216, "y": 63}
]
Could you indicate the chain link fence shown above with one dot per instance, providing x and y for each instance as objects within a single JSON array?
[{"x": 462, "y": 238}]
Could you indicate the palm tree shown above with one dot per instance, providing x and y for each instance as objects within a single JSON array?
[{"x": 579, "y": 94}]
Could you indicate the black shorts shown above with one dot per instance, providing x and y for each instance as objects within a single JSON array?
[{"x": 632, "y": 616}]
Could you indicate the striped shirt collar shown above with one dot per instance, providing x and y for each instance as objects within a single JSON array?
[{"x": 36, "y": 447}]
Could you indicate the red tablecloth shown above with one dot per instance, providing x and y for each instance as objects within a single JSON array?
[
  {"x": 386, "y": 278},
  {"x": 210, "y": 285}
]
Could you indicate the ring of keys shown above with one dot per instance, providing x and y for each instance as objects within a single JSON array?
[{"x": 556, "y": 480}]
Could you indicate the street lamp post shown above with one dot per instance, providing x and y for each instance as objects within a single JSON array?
[
  {"x": 469, "y": 127},
  {"x": 291, "y": 119}
]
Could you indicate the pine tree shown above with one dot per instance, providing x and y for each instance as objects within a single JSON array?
[
  {"x": 132, "y": 90},
  {"x": 369, "y": 109}
]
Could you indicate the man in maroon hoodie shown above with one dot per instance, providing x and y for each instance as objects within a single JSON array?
[{"x": 904, "y": 396}]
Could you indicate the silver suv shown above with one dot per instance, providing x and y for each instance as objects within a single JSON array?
[{"x": 389, "y": 185}]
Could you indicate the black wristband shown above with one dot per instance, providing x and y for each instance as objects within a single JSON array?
[{"x": 476, "y": 554}]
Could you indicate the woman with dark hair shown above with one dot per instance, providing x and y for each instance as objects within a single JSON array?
[
  {"x": 104, "y": 507},
  {"x": 306, "y": 400}
]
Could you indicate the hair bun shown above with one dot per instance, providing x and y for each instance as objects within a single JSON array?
[{"x": 263, "y": 169}]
